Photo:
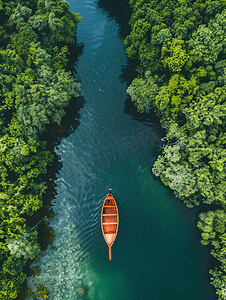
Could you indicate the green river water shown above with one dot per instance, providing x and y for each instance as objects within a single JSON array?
[{"x": 157, "y": 254}]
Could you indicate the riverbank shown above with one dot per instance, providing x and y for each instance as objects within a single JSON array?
[
  {"x": 35, "y": 90},
  {"x": 181, "y": 76}
]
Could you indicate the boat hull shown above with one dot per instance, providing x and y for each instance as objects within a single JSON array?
[{"x": 109, "y": 220}]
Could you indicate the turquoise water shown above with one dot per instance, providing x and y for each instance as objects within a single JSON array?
[{"x": 157, "y": 254}]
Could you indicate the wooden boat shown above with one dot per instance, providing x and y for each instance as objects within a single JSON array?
[{"x": 109, "y": 220}]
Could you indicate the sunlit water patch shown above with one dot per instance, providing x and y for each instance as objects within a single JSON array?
[{"x": 61, "y": 267}]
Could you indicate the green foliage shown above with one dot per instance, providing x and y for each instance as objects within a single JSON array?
[
  {"x": 179, "y": 177},
  {"x": 213, "y": 227},
  {"x": 175, "y": 55},
  {"x": 10, "y": 284},
  {"x": 208, "y": 112},
  {"x": 207, "y": 42},
  {"x": 143, "y": 92},
  {"x": 35, "y": 89},
  {"x": 144, "y": 23},
  {"x": 25, "y": 245},
  {"x": 61, "y": 22},
  {"x": 203, "y": 161},
  {"x": 177, "y": 94}
]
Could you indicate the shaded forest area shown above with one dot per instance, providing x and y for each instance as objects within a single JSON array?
[
  {"x": 181, "y": 49},
  {"x": 36, "y": 87}
]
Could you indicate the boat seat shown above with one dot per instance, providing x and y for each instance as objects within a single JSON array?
[
  {"x": 110, "y": 233},
  {"x": 109, "y": 214},
  {"x": 109, "y": 223}
]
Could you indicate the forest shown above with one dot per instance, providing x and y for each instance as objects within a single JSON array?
[
  {"x": 181, "y": 49},
  {"x": 36, "y": 87}
]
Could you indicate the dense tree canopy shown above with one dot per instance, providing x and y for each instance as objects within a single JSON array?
[
  {"x": 34, "y": 90},
  {"x": 181, "y": 50}
]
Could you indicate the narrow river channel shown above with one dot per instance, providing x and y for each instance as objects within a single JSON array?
[{"x": 157, "y": 254}]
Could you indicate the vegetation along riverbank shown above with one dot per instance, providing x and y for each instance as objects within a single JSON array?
[
  {"x": 36, "y": 87},
  {"x": 181, "y": 48}
]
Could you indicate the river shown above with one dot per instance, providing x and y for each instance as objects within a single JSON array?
[{"x": 157, "y": 254}]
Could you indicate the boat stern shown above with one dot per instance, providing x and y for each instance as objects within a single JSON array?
[{"x": 110, "y": 237}]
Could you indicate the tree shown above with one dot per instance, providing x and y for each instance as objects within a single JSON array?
[
  {"x": 208, "y": 111},
  {"x": 25, "y": 245},
  {"x": 177, "y": 55},
  {"x": 143, "y": 92},
  {"x": 177, "y": 94}
]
